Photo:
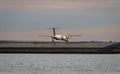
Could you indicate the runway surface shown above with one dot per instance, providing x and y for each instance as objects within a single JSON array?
[{"x": 59, "y": 47}]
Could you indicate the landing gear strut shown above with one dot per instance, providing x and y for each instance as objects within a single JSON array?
[
  {"x": 66, "y": 41},
  {"x": 53, "y": 41}
]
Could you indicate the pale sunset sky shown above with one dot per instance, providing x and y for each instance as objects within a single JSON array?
[{"x": 97, "y": 20}]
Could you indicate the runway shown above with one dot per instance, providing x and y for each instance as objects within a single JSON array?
[{"x": 60, "y": 47}]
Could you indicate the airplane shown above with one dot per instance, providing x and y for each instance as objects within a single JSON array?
[{"x": 59, "y": 36}]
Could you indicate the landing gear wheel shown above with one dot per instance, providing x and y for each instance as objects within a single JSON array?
[
  {"x": 66, "y": 41},
  {"x": 53, "y": 41}
]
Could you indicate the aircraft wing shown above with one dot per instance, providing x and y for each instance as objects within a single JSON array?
[{"x": 76, "y": 35}]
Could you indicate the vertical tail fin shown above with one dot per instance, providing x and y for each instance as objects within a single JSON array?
[
  {"x": 54, "y": 33},
  {"x": 53, "y": 30}
]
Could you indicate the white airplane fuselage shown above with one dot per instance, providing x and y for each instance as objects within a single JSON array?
[{"x": 60, "y": 37}]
